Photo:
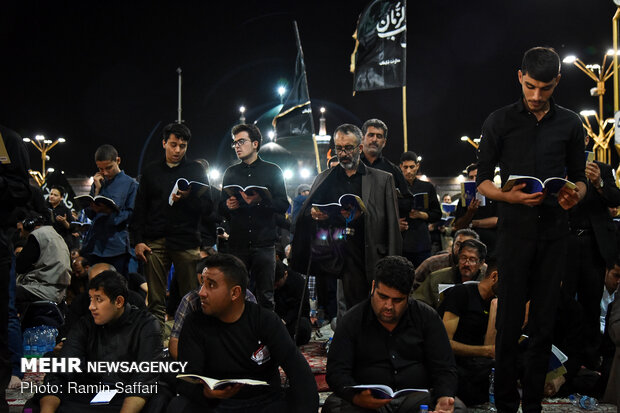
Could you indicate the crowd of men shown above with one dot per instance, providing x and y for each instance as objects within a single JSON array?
[{"x": 172, "y": 268}]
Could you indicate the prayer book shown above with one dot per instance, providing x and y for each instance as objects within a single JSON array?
[
  {"x": 215, "y": 384},
  {"x": 420, "y": 201},
  {"x": 346, "y": 202},
  {"x": 449, "y": 208},
  {"x": 470, "y": 192},
  {"x": 534, "y": 185},
  {"x": 381, "y": 391},
  {"x": 103, "y": 397},
  {"x": 235, "y": 190},
  {"x": 182, "y": 184},
  {"x": 445, "y": 222},
  {"x": 85, "y": 201},
  {"x": 589, "y": 156}
]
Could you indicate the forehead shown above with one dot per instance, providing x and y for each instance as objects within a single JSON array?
[
  {"x": 241, "y": 135},
  {"x": 55, "y": 192},
  {"x": 375, "y": 131},
  {"x": 615, "y": 271},
  {"x": 468, "y": 251},
  {"x": 409, "y": 164},
  {"x": 462, "y": 237},
  {"x": 105, "y": 164},
  {"x": 97, "y": 293},
  {"x": 213, "y": 274},
  {"x": 537, "y": 83},
  {"x": 173, "y": 139},
  {"x": 473, "y": 172},
  {"x": 345, "y": 139},
  {"x": 389, "y": 291}
]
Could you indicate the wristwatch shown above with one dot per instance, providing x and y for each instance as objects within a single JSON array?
[{"x": 600, "y": 185}]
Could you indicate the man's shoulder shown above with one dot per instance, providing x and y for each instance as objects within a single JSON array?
[
  {"x": 378, "y": 174},
  {"x": 442, "y": 273},
  {"x": 421, "y": 311},
  {"x": 355, "y": 316}
]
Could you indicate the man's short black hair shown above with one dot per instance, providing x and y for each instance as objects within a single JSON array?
[
  {"x": 541, "y": 63},
  {"x": 471, "y": 167},
  {"x": 232, "y": 267},
  {"x": 408, "y": 156},
  {"x": 375, "y": 123},
  {"x": 474, "y": 244},
  {"x": 467, "y": 232},
  {"x": 281, "y": 269},
  {"x": 106, "y": 153},
  {"x": 200, "y": 266},
  {"x": 60, "y": 189},
  {"x": 348, "y": 129},
  {"x": 252, "y": 131},
  {"x": 179, "y": 130},
  {"x": 113, "y": 284},
  {"x": 395, "y": 272}
]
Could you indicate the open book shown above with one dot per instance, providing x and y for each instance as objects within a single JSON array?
[
  {"x": 469, "y": 192},
  {"x": 182, "y": 184},
  {"x": 103, "y": 397},
  {"x": 85, "y": 201},
  {"x": 217, "y": 384},
  {"x": 534, "y": 185},
  {"x": 449, "y": 208},
  {"x": 346, "y": 201},
  {"x": 441, "y": 288},
  {"x": 445, "y": 222},
  {"x": 235, "y": 190},
  {"x": 380, "y": 391},
  {"x": 420, "y": 201}
]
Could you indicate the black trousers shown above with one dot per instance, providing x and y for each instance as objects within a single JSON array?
[
  {"x": 585, "y": 278},
  {"x": 261, "y": 264},
  {"x": 5, "y": 362},
  {"x": 529, "y": 269}
]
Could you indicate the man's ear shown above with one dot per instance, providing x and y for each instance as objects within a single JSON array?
[
  {"x": 163, "y": 143},
  {"x": 119, "y": 302},
  {"x": 372, "y": 287},
  {"x": 118, "y": 160},
  {"x": 520, "y": 75},
  {"x": 235, "y": 292}
]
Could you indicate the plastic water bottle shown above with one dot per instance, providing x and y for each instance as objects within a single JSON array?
[
  {"x": 27, "y": 342},
  {"x": 423, "y": 408},
  {"x": 492, "y": 391},
  {"x": 583, "y": 402}
]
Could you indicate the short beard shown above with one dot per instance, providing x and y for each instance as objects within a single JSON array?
[{"x": 355, "y": 159}]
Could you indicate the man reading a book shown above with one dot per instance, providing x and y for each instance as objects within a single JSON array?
[
  {"x": 234, "y": 339},
  {"x": 390, "y": 340},
  {"x": 252, "y": 216},
  {"x": 108, "y": 238},
  {"x": 534, "y": 137}
]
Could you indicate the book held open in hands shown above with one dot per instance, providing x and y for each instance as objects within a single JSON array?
[
  {"x": 85, "y": 201},
  {"x": 182, "y": 184},
  {"x": 215, "y": 384},
  {"x": 381, "y": 391},
  {"x": 235, "y": 190},
  {"x": 534, "y": 185},
  {"x": 346, "y": 201}
]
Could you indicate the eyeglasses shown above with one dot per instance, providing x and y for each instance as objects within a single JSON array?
[
  {"x": 345, "y": 149},
  {"x": 238, "y": 143},
  {"x": 469, "y": 260}
]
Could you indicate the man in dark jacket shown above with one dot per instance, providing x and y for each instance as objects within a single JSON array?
[{"x": 165, "y": 226}]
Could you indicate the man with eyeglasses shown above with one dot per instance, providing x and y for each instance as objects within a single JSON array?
[
  {"x": 359, "y": 238},
  {"x": 471, "y": 256},
  {"x": 252, "y": 218}
]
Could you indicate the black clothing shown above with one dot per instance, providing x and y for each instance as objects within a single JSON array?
[
  {"x": 29, "y": 255},
  {"x": 134, "y": 336},
  {"x": 531, "y": 241},
  {"x": 417, "y": 238},
  {"x": 288, "y": 299},
  {"x": 154, "y": 218},
  {"x": 400, "y": 182},
  {"x": 254, "y": 226},
  {"x": 464, "y": 301},
  {"x": 415, "y": 354},
  {"x": 252, "y": 347},
  {"x": 487, "y": 235},
  {"x": 62, "y": 210}
]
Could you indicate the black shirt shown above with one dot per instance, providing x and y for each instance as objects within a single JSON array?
[
  {"x": 417, "y": 238},
  {"x": 416, "y": 354},
  {"x": 252, "y": 348},
  {"x": 254, "y": 226},
  {"x": 464, "y": 301},
  {"x": 520, "y": 144},
  {"x": 384, "y": 164},
  {"x": 487, "y": 235}
]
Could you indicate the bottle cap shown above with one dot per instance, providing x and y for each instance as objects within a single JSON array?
[{"x": 423, "y": 406}]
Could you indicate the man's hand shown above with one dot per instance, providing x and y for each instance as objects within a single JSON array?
[
  {"x": 517, "y": 196},
  {"x": 63, "y": 220},
  {"x": 255, "y": 198},
  {"x": 403, "y": 224},
  {"x": 317, "y": 215},
  {"x": 415, "y": 214},
  {"x": 180, "y": 195},
  {"x": 49, "y": 404},
  {"x": 593, "y": 173},
  {"x": 141, "y": 250},
  {"x": 98, "y": 181},
  {"x": 367, "y": 401},
  {"x": 444, "y": 405},
  {"x": 232, "y": 203},
  {"x": 346, "y": 213},
  {"x": 568, "y": 198},
  {"x": 473, "y": 205},
  {"x": 225, "y": 393}
]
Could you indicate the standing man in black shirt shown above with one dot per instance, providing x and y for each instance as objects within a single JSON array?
[
  {"x": 535, "y": 137},
  {"x": 165, "y": 226},
  {"x": 359, "y": 239},
  {"x": 416, "y": 237},
  {"x": 389, "y": 340},
  {"x": 61, "y": 215},
  {"x": 252, "y": 219}
]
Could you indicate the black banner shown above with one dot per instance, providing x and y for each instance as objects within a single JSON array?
[{"x": 379, "y": 60}]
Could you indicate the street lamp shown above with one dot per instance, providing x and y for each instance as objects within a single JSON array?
[
  {"x": 281, "y": 92},
  {"x": 600, "y": 74},
  {"x": 44, "y": 146},
  {"x": 475, "y": 142},
  {"x": 242, "y": 111}
]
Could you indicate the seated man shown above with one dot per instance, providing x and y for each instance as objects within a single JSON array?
[
  {"x": 116, "y": 331},
  {"x": 231, "y": 338},
  {"x": 470, "y": 261},
  {"x": 440, "y": 261},
  {"x": 468, "y": 313},
  {"x": 390, "y": 340},
  {"x": 189, "y": 304},
  {"x": 43, "y": 265},
  {"x": 289, "y": 288}
]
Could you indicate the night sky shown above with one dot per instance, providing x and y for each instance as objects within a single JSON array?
[{"x": 104, "y": 72}]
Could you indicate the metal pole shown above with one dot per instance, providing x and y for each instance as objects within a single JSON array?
[
  {"x": 405, "y": 117},
  {"x": 615, "y": 38},
  {"x": 180, "y": 109}
]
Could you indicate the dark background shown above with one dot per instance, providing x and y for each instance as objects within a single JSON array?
[{"x": 100, "y": 72}]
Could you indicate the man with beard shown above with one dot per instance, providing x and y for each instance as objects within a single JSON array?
[
  {"x": 468, "y": 314},
  {"x": 359, "y": 238},
  {"x": 471, "y": 257}
]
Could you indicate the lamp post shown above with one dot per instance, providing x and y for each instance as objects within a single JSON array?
[
  {"x": 600, "y": 74},
  {"x": 473, "y": 142},
  {"x": 242, "y": 116},
  {"x": 281, "y": 92},
  {"x": 44, "y": 146}
]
